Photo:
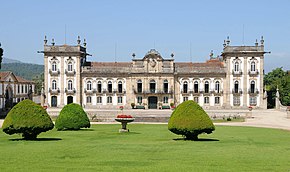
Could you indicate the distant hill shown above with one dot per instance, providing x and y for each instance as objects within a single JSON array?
[
  {"x": 25, "y": 70},
  {"x": 7, "y": 60}
]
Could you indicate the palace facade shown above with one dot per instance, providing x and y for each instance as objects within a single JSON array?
[{"x": 232, "y": 80}]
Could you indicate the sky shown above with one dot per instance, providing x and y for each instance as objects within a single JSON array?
[{"x": 115, "y": 29}]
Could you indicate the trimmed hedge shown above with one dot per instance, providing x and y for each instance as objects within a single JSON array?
[
  {"x": 190, "y": 120},
  {"x": 72, "y": 117},
  {"x": 27, "y": 118}
]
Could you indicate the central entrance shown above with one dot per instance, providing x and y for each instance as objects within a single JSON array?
[
  {"x": 70, "y": 99},
  {"x": 152, "y": 102}
]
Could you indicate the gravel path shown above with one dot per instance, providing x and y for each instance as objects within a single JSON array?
[{"x": 260, "y": 118}]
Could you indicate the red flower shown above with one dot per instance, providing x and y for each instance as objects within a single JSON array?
[
  {"x": 121, "y": 107},
  {"x": 124, "y": 116}
]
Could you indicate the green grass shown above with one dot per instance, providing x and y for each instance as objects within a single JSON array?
[{"x": 148, "y": 148}]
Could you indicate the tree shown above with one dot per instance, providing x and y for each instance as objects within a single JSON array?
[
  {"x": 72, "y": 117},
  {"x": 190, "y": 120},
  {"x": 38, "y": 80},
  {"x": 1, "y": 54},
  {"x": 281, "y": 79},
  {"x": 28, "y": 119}
]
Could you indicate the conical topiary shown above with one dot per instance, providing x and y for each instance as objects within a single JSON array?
[
  {"x": 190, "y": 120},
  {"x": 72, "y": 117},
  {"x": 27, "y": 118}
]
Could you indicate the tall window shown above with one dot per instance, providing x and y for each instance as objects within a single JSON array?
[
  {"x": 236, "y": 100},
  {"x": 217, "y": 100},
  {"x": 22, "y": 87},
  {"x": 120, "y": 86},
  {"x": 152, "y": 86},
  {"x": 206, "y": 100},
  {"x": 139, "y": 99},
  {"x": 89, "y": 85},
  {"x": 69, "y": 67},
  {"x": 109, "y": 99},
  {"x": 18, "y": 89},
  {"x": 53, "y": 66},
  {"x": 253, "y": 66},
  {"x": 195, "y": 99},
  {"x": 139, "y": 86},
  {"x": 237, "y": 67},
  {"x": 99, "y": 99},
  {"x": 99, "y": 86},
  {"x": 165, "y": 99},
  {"x": 236, "y": 89},
  {"x": 185, "y": 99},
  {"x": 110, "y": 87},
  {"x": 69, "y": 85},
  {"x": 53, "y": 85},
  {"x": 195, "y": 87},
  {"x": 206, "y": 87},
  {"x": 185, "y": 87},
  {"x": 165, "y": 86},
  {"x": 217, "y": 86},
  {"x": 26, "y": 90},
  {"x": 89, "y": 99},
  {"x": 252, "y": 89},
  {"x": 120, "y": 99}
]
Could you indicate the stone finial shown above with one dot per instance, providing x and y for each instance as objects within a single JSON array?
[
  {"x": 79, "y": 40},
  {"x": 211, "y": 54},
  {"x": 52, "y": 42},
  {"x": 133, "y": 55},
  {"x": 262, "y": 41},
  {"x": 172, "y": 55},
  {"x": 45, "y": 40},
  {"x": 228, "y": 40},
  {"x": 277, "y": 92},
  {"x": 85, "y": 43},
  {"x": 256, "y": 43}
]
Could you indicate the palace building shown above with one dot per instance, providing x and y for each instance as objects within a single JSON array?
[{"x": 232, "y": 80}]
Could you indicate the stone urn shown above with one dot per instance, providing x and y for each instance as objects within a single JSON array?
[{"x": 124, "y": 119}]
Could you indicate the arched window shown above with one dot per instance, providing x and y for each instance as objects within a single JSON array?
[
  {"x": 120, "y": 86},
  {"x": 165, "y": 86},
  {"x": 54, "y": 84},
  {"x": 253, "y": 66},
  {"x": 69, "y": 67},
  {"x": 89, "y": 85},
  {"x": 236, "y": 89},
  {"x": 252, "y": 89},
  {"x": 53, "y": 66},
  {"x": 152, "y": 86},
  {"x": 185, "y": 87},
  {"x": 217, "y": 86},
  {"x": 110, "y": 87},
  {"x": 195, "y": 87},
  {"x": 69, "y": 85},
  {"x": 237, "y": 67},
  {"x": 206, "y": 87},
  {"x": 139, "y": 86},
  {"x": 89, "y": 99},
  {"x": 99, "y": 86}
]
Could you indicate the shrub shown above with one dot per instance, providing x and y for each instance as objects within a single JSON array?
[
  {"x": 190, "y": 120},
  {"x": 27, "y": 118},
  {"x": 72, "y": 117},
  {"x": 171, "y": 104}
]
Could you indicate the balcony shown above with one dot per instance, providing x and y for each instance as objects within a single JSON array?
[
  {"x": 237, "y": 73},
  {"x": 71, "y": 91},
  {"x": 253, "y": 73},
  {"x": 54, "y": 73},
  {"x": 218, "y": 92},
  {"x": 54, "y": 91},
  {"x": 91, "y": 91},
  {"x": 237, "y": 92},
  {"x": 121, "y": 91},
  {"x": 253, "y": 92},
  {"x": 70, "y": 73}
]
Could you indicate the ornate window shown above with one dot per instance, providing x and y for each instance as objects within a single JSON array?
[
  {"x": 206, "y": 87},
  {"x": 139, "y": 86},
  {"x": 69, "y": 85},
  {"x": 252, "y": 87},
  {"x": 185, "y": 87},
  {"x": 236, "y": 66},
  {"x": 109, "y": 99},
  {"x": 253, "y": 66},
  {"x": 120, "y": 99},
  {"x": 152, "y": 86},
  {"x": 99, "y": 86},
  {"x": 99, "y": 99},
  {"x": 206, "y": 100},
  {"x": 110, "y": 87},
  {"x": 165, "y": 86},
  {"x": 89, "y": 99},
  {"x": 120, "y": 87},
  {"x": 217, "y": 100},
  {"x": 53, "y": 66},
  {"x": 236, "y": 87},
  {"x": 236, "y": 100},
  {"x": 69, "y": 67},
  {"x": 217, "y": 86},
  {"x": 89, "y": 85},
  {"x": 195, "y": 87},
  {"x": 53, "y": 87}
]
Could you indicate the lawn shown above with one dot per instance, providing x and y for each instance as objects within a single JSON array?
[{"x": 148, "y": 148}]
